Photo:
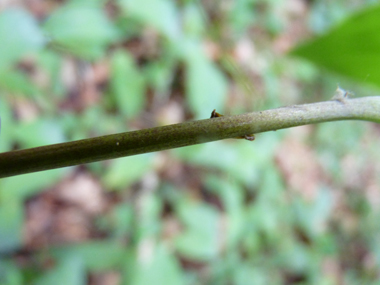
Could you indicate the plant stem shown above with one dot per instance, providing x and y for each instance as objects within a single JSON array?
[{"x": 185, "y": 134}]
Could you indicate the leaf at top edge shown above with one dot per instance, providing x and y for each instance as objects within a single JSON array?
[
  {"x": 19, "y": 35},
  {"x": 351, "y": 49}
]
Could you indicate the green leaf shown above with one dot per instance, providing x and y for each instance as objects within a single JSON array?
[
  {"x": 127, "y": 84},
  {"x": 100, "y": 255},
  {"x": 241, "y": 16},
  {"x": 148, "y": 220},
  {"x": 159, "y": 74},
  {"x": 16, "y": 82},
  {"x": 43, "y": 131},
  {"x": 158, "y": 266},
  {"x": 340, "y": 136},
  {"x": 19, "y": 35},
  {"x": 232, "y": 197},
  {"x": 193, "y": 20},
  {"x": 206, "y": 87},
  {"x": 351, "y": 49},
  {"x": 161, "y": 14},
  {"x": 209, "y": 155},
  {"x": 51, "y": 63},
  {"x": 121, "y": 220},
  {"x": 314, "y": 217},
  {"x": 26, "y": 185},
  {"x": 81, "y": 29},
  {"x": 69, "y": 270},
  {"x": 125, "y": 171},
  {"x": 11, "y": 221},
  {"x": 200, "y": 241},
  {"x": 10, "y": 273},
  {"x": 7, "y": 125}
]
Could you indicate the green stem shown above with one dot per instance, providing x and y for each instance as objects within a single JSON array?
[{"x": 185, "y": 134}]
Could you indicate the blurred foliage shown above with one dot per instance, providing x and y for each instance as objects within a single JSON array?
[
  {"x": 81, "y": 28},
  {"x": 350, "y": 49},
  {"x": 293, "y": 207},
  {"x": 22, "y": 35}
]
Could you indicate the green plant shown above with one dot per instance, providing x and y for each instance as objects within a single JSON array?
[{"x": 297, "y": 205}]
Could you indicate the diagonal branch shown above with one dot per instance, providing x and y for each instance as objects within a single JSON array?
[{"x": 185, "y": 134}]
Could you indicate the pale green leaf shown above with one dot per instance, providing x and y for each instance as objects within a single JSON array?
[
  {"x": 40, "y": 132},
  {"x": 231, "y": 194},
  {"x": 10, "y": 273},
  {"x": 81, "y": 29},
  {"x": 206, "y": 86},
  {"x": 7, "y": 125},
  {"x": 17, "y": 82},
  {"x": 160, "y": 268},
  {"x": 26, "y": 185},
  {"x": 125, "y": 171},
  {"x": 194, "y": 20},
  {"x": 95, "y": 255},
  {"x": 127, "y": 84},
  {"x": 11, "y": 223},
  {"x": 161, "y": 15},
  {"x": 19, "y": 35},
  {"x": 200, "y": 240},
  {"x": 68, "y": 270}
]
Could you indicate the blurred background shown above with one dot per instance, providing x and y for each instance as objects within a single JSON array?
[{"x": 296, "y": 206}]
